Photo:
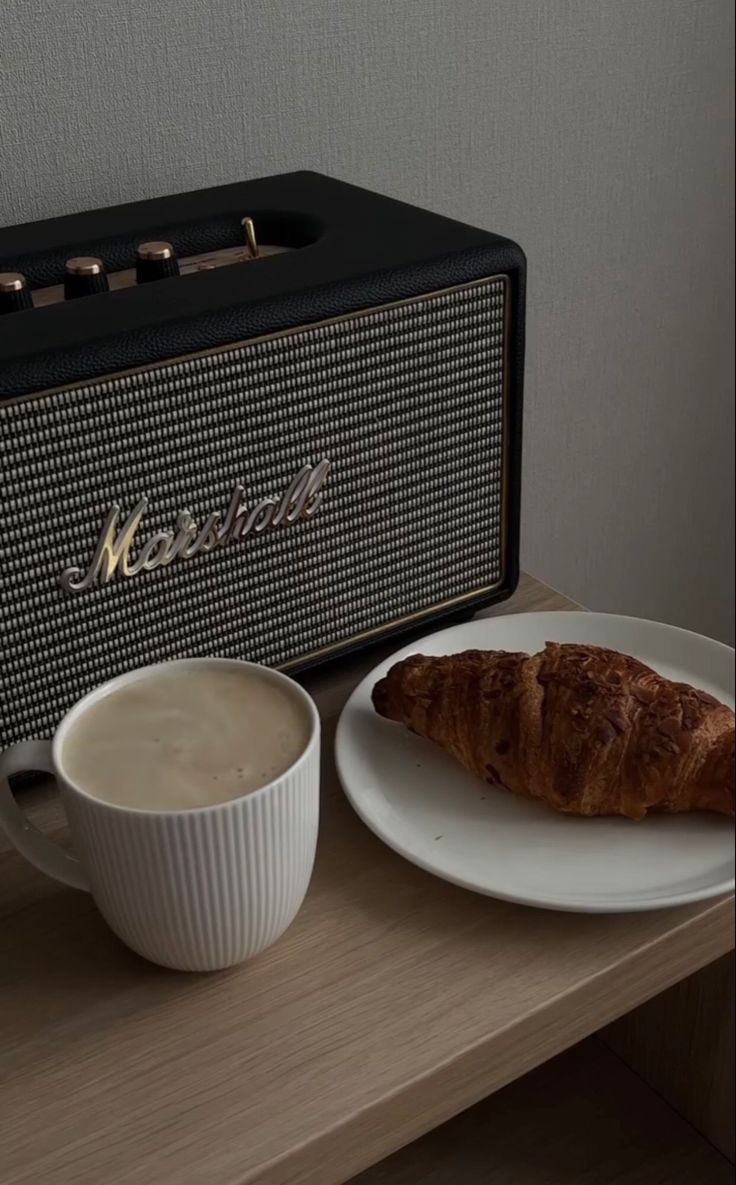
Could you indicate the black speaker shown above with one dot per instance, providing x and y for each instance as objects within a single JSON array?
[{"x": 300, "y": 435}]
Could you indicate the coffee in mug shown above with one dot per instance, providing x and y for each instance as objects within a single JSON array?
[
  {"x": 192, "y": 791},
  {"x": 182, "y": 739}
]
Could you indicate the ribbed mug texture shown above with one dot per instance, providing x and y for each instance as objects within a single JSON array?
[
  {"x": 207, "y": 888},
  {"x": 201, "y": 889}
]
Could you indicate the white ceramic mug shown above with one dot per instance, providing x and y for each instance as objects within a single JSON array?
[{"x": 195, "y": 889}]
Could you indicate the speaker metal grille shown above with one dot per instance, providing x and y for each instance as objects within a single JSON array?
[{"x": 406, "y": 402}]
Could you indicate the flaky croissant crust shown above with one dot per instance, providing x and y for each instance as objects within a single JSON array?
[{"x": 587, "y": 730}]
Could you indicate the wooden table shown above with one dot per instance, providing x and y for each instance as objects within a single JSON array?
[{"x": 393, "y": 1003}]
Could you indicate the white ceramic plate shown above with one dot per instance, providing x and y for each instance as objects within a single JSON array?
[{"x": 420, "y": 802}]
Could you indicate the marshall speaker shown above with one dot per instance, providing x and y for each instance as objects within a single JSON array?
[{"x": 274, "y": 420}]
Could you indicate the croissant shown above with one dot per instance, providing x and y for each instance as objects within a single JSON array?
[{"x": 589, "y": 731}]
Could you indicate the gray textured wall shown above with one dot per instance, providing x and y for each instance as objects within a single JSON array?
[{"x": 598, "y": 134}]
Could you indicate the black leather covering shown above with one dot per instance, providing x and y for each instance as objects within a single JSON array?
[{"x": 361, "y": 250}]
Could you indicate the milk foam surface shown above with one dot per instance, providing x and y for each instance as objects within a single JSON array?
[{"x": 186, "y": 738}]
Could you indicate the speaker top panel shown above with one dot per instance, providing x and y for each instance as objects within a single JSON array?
[{"x": 322, "y": 249}]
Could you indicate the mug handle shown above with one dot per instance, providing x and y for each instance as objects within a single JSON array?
[{"x": 31, "y": 843}]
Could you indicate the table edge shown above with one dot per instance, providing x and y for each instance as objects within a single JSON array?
[{"x": 428, "y": 1100}]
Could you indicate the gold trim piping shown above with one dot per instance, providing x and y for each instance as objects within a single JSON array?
[
  {"x": 253, "y": 341},
  {"x": 398, "y": 622}
]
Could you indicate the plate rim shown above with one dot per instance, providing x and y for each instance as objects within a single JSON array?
[{"x": 635, "y": 903}]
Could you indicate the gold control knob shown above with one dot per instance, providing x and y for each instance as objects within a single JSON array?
[
  {"x": 15, "y": 294},
  {"x": 155, "y": 261},
  {"x": 85, "y": 276}
]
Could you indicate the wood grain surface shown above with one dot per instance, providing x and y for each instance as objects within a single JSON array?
[{"x": 393, "y": 1002}]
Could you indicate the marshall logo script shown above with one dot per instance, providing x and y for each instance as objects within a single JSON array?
[{"x": 112, "y": 553}]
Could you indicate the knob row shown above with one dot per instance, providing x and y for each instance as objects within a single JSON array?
[{"x": 85, "y": 275}]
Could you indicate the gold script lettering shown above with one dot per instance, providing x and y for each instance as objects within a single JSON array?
[
  {"x": 257, "y": 520},
  {"x": 112, "y": 553},
  {"x": 186, "y": 529},
  {"x": 153, "y": 554},
  {"x": 205, "y": 540}
]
